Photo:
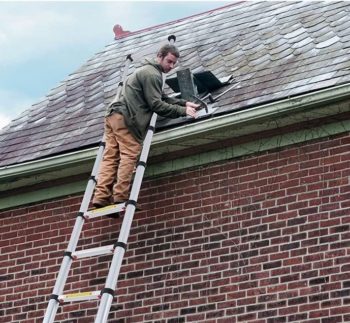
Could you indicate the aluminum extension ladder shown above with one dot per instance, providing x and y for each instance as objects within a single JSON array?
[{"x": 106, "y": 295}]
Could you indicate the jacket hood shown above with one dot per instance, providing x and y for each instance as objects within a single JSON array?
[{"x": 152, "y": 62}]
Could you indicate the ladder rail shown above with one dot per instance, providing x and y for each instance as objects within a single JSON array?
[
  {"x": 107, "y": 293},
  {"x": 118, "y": 255},
  {"x": 73, "y": 242}
]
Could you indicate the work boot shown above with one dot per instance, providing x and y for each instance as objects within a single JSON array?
[
  {"x": 138, "y": 208},
  {"x": 100, "y": 203}
]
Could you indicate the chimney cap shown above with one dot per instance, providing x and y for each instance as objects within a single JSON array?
[{"x": 119, "y": 32}]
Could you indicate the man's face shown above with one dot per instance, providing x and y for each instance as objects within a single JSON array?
[{"x": 167, "y": 62}]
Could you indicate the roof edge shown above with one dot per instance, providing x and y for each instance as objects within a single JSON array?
[
  {"x": 247, "y": 115},
  {"x": 242, "y": 117},
  {"x": 47, "y": 164}
]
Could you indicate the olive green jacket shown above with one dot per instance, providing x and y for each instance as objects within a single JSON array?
[{"x": 141, "y": 96}]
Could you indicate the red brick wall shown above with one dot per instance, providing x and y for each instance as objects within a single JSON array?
[{"x": 259, "y": 239}]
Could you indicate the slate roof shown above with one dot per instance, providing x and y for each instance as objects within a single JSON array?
[{"x": 273, "y": 50}]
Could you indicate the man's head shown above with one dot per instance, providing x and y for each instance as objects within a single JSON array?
[{"x": 167, "y": 57}]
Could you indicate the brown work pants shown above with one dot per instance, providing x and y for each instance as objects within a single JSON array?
[{"x": 119, "y": 160}]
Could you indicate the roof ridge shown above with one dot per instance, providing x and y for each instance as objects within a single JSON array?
[{"x": 132, "y": 33}]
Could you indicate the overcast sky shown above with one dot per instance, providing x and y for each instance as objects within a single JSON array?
[{"x": 42, "y": 42}]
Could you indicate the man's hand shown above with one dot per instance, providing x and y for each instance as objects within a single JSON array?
[{"x": 191, "y": 109}]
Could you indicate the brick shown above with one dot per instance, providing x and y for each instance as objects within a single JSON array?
[
  {"x": 340, "y": 293},
  {"x": 277, "y": 304},
  {"x": 271, "y": 265},
  {"x": 319, "y": 313},
  {"x": 176, "y": 320},
  {"x": 288, "y": 310},
  {"x": 246, "y": 317},
  {"x": 270, "y": 313},
  {"x": 255, "y": 308},
  {"x": 187, "y": 311},
  {"x": 289, "y": 278},
  {"x": 319, "y": 280}
]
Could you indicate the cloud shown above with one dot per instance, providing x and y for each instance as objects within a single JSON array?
[
  {"x": 35, "y": 29},
  {"x": 30, "y": 32},
  {"x": 122, "y": 13},
  {"x": 4, "y": 121},
  {"x": 11, "y": 105}
]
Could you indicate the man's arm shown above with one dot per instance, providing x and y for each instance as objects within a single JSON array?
[
  {"x": 152, "y": 89},
  {"x": 171, "y": 100}
]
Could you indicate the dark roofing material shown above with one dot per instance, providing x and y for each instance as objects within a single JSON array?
[{"x": 273, "y": 50}]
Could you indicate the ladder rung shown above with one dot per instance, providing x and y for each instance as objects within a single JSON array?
[
  {"x": 110, "y": 209},
  {"x": 84, "y": 296},
  {"x": 105, "y": 250}
]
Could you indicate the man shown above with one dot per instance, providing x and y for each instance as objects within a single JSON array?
[{"x": 127, "y": 121}]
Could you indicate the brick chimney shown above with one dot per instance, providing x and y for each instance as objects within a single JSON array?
[{"x": 119, "y": 32}]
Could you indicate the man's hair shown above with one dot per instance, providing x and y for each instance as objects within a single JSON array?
[{"x": 165, "y": 49}]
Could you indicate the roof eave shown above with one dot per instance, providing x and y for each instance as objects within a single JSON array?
[
  {"x": 66, "y": 164},
  {"x": 261, "y": 111}
]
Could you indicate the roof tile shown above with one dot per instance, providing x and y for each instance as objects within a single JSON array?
[{"x": 328, "y": 42}]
